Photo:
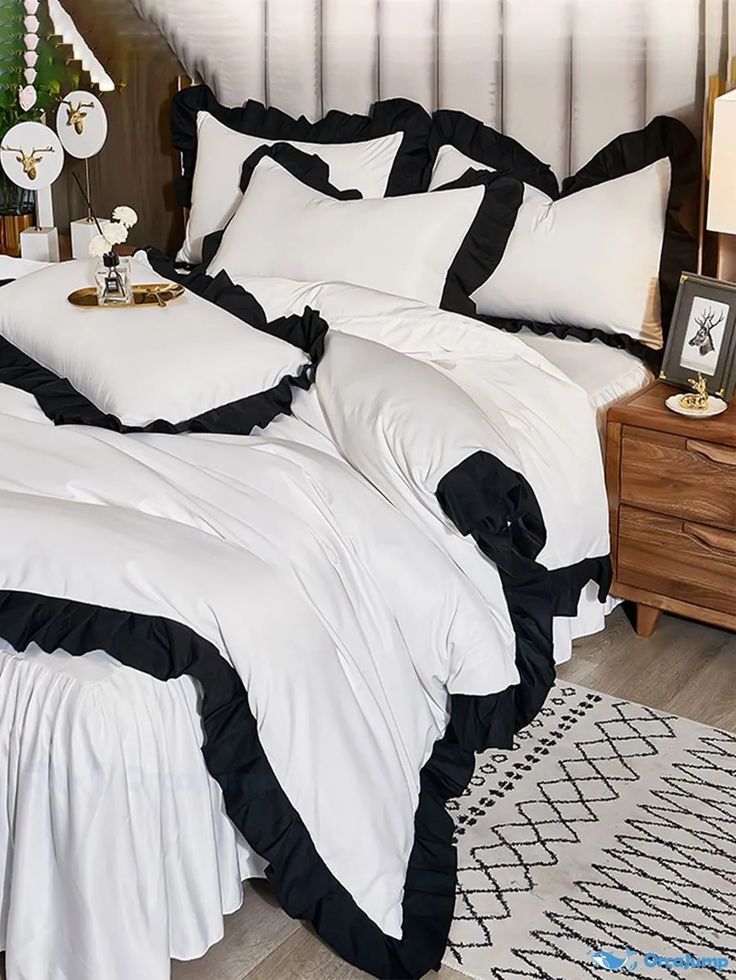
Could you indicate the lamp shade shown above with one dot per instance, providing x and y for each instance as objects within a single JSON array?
[{"x": 722, "y": 196}]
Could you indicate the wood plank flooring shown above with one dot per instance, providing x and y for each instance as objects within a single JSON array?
[{"x": 685, "y": 668}]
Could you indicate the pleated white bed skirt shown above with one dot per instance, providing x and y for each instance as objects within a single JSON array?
[{"x": 115, "y": 851}]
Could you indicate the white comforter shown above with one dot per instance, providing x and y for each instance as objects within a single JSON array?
[{"x": 315, "y": 557}]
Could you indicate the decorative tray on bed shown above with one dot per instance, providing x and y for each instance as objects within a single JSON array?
[{"x": 146, "y": 294}]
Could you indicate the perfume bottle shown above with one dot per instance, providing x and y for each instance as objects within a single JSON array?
[{"x": 112, "y": 280}]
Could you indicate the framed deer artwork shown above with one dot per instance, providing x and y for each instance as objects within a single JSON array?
[{"x": 702, "y": 338}]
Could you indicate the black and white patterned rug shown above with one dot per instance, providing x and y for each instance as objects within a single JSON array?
[{"x": 605, "y": 842}]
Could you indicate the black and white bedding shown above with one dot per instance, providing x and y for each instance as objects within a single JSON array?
[
  {"x": 599, "y": 257},
  {"x": 382, "y": 154},
  {"x": 437, "y": 248},
  {"x": 365, "y": 592}
]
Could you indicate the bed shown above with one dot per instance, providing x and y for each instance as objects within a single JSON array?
[{"x": 275, "y": 566}]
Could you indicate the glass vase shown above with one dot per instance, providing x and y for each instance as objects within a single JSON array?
[{"x": 112, "y": 279}]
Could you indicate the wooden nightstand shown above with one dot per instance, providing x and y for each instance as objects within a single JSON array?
[{"x": 672, "y": 498}]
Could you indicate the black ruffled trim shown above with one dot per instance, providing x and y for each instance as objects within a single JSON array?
[
  {"x": 568, "y": 583},
  {"x": 496, "y": 506},
  {"x": 618, "y": 341},
  {"x": 484, "y": 498},
  {"x": 307, "y": 332},
  {"x": 306, "y": 167},
  {"x": 483, "y": 246},
  {"x": 64, "y": 405},
  {"x": 489, "y": 147},
  {"x": 390, "y": 116},
  {"x": 663, "y": 137}
]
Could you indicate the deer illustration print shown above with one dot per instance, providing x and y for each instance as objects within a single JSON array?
[
  {"x": 75, "y": 116},
  {"x": 29, "y": 161},
  {"x": 704, "y": 337}
]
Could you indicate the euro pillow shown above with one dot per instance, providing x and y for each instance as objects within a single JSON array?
[
  {"x": 435, "y": 248},
  {"x": 192, "y": 366},
  {"x": 603, "y": 257},
  {"x": 382, "y": 154}
]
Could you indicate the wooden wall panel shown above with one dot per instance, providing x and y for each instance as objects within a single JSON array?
[{"x": 137, "y": 165}]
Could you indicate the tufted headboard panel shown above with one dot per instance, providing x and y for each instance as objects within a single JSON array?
[{"x": 563, "y": 76}]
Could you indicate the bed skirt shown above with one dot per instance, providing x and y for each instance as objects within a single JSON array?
[{"x": 115, "y": 850}]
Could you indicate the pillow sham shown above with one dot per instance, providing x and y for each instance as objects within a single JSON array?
[
  {"x": 189, "y": 367},
  {"x": 382, "y": 154},
  {"x": 605, "y": 255},
  {"x": 457, "y": 141},
  {"x": 436, "y": 248}
]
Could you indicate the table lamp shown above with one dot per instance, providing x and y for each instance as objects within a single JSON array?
[{"x": 722, "y": 196}]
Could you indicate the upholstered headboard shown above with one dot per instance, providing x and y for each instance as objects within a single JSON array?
[{"x": 563, "y": 76}]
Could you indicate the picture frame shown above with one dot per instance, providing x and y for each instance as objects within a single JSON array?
[{"x": 702, "y": 337}]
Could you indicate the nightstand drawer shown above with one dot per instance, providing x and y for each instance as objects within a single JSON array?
[
  {"x": 680, "y": 559},
  {"x": 683, "y": 477}
]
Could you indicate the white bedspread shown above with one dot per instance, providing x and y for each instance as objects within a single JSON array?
[{"x": 316, "y": 559}]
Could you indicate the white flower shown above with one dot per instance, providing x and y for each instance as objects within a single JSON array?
[
  {"x": 99, "y": 246},
  {"x": 125, "y": 215},
  {"x": 27, "y": 98},
  {"x": 115, "y": 232}
]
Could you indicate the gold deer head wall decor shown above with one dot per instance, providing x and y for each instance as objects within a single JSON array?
[
  {"x": 29, "y": 161},
  {"x": 75, "y": 116}
]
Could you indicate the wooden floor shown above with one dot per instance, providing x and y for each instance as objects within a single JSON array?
[{"x": 685, "y": 668}]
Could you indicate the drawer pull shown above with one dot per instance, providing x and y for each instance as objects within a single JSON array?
[
  {"x": 717, "y": 454},
  {"x": 712, "y": 538}
]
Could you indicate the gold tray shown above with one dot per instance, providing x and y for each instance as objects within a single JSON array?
[{"x": 147, "y": 294}]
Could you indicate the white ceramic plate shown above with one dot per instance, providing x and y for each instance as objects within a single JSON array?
[{"x": 715, "y": 407}]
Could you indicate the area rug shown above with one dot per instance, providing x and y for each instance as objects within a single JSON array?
[{"x": 605, "y": 842}]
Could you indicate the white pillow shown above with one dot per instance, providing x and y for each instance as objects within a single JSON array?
[
  {"x": 142, "y": 366},
  {"x": 365, "y": 166},
  {"x": 589, "y": 260},
  {"x": 421, "y": 246}
]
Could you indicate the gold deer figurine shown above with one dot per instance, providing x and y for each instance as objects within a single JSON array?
[
  {"x": 698, "y": 400},
  {"x": 29, "y": 161},
  {"x": 75, "y": 116}
]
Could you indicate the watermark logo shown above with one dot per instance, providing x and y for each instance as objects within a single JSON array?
[
  {"x": 615, "y": 961},
  {"x": 631, "y": 962}
]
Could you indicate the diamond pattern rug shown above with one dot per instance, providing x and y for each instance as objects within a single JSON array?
[{"x": 605, "y": 841}]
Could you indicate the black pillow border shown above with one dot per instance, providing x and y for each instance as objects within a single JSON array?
[
  {"x": 663, "y": 137},
  {"x": 255, "y": 119},
  {"x": 486, "y": 145},
  {"x": 631, "y": 152},
  {"x": 481, "y": 249},
  {"x": 62, "y": 404}
]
